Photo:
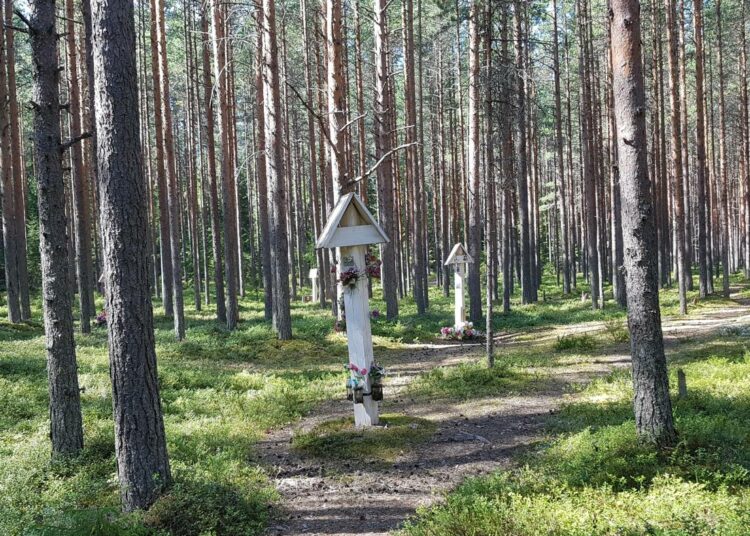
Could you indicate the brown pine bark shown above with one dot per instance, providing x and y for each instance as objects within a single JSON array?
[
  {"x": 700, "y": 134},
  {"x": 82, "y": 223},
  {"x": 161, "y": 168},
  {"x": 19, "y": 174},
  {"x": 473, "y": 177},
  {"x": 229, "y": 195},
  {"x": 7, "y": 192},
  {"x": 527, "y": 281},
  {"x": 652, "y": 405},
  {"x": 276, "y": 174},
  {"x": 66, "y": 429},
  {"x": 560, "y": 161},
  {"x": 678, "y": 199},
  {"x": 383, "y": 110},
  {"x": 723, "y": 178},
  {"x": 216, "y": 242}
]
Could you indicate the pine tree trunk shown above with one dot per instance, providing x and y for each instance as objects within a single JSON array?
[
  {"x": 723, "y": 176},
  {"x": 527, "y": 281},
  {"x": 700, "y": 149},
  {"x": 474, "y": 157},
  {"x": 653, "y": 409},
  {"x": 383, "y": 115},
  {"x": 66, "y": 429},
  {"x": 82, "y": 222},
  {"x": 140, "y": 443},
  {"x": 229, "y": 195},
  {"x": 276, "y": 175},
  {"x": 213, "y": 189},
  {"x": 678, "y": 198},
  {"x": 7, "y": 192},
  {"x": 19, "y": 174}
]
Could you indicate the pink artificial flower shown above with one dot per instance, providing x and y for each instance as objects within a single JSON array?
[{"x": 363, "y": 372}]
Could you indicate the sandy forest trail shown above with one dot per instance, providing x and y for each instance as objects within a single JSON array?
[{"x": 474, "y": 437}]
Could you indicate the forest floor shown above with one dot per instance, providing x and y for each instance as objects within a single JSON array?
[
  {"x": 449, "y": 420},
  {"x": 261, "y": 440}
]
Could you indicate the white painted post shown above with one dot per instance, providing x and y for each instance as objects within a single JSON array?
[
  {"x": 358, "y": 331},
  {"x": 350, "y": 229},
  {"x": 460, "y": 313},
  {"x": 314, "y": 281}
]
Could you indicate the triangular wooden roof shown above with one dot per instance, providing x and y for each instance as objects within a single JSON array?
[
  {"x": 458, "y": 255},
  {"x": 336, "y": 235}
]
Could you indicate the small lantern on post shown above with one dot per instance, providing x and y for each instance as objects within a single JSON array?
[
  {"x": 460, "y": 259},
  {"x": 351, "y": 228},
  {"x": 314, "y": 282}
]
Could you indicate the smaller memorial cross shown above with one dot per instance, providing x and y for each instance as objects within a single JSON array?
[
  {"x": 314, "y": 281},
  {"x": 459, "y": 258}
]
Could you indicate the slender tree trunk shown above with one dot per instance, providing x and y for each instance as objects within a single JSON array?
[
  {"x": 560, "y": 161},
  {"x": 652, "y": 406},
  {"x": 521, "y": 159},
  {"x": 82, "y": 222},
  {"x": 474, "y": 157},
  {"x": 9, "y": 202},
  {"x": 19, "y": 174},
  {"x": 678, "y": 199},
  {"x": 229, "y": 195},
  {"x": 216, "y": 243},
  {"x": 383, "y": 112},
  {"x": 276, "y": 173},
  {"x": 700, "y": 134},
  {"x": 66, "y": 429},
  {"x": 723, "y": 178}
]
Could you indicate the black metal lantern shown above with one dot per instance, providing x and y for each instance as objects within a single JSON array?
[
  {"x": 349, "y": 393},
  {"x": 359, "y": 394},
  {"x": 377, "y": 392}
]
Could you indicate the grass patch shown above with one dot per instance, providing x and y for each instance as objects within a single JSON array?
[
  {"x": 595, "y": 478},
  {"x": 579, "y": 343},
  {"x": 472, "y": 380},
  {"x": 341, "y": 440}
]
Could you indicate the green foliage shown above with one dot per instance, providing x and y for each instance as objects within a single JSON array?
[
  {"x": 472, "y": 380},
  {"x": 340, "y": 440},
  {"x": 617, "y": 330},
  {"x": 595, "y": 478},
  {"x": 580, "y": 343},
  {"x": 194, "y": 508}
]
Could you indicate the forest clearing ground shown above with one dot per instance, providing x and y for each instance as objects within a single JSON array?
[{"x": 474, "y": 435}]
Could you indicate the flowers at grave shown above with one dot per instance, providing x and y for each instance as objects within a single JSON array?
[
  {"x": 460, "y": 333},
  {"x": 373, "y": 266},
  {"x": 358, "y": 374},
  {"x": 349, "y": 277},
  {"x": 101, "y": 318}
]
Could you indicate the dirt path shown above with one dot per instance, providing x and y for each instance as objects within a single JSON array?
[{"x": 473, "y": 437}]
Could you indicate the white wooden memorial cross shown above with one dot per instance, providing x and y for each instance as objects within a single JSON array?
[
  {"x": 314, "y": 280},
  {"x": 459, "y": 258},
  {"x": 351, "y": 228}
]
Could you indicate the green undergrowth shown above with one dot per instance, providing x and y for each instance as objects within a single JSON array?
[
  {"x": 340, "y": 440},
  {"x": 473, "y": 380},
  {"x": 594, "y": 478},
  {"x": 221, "y": 392}
]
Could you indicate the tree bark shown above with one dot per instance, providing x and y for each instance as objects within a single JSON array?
[
  {"x": 275, "y": 168},
  {"x": 140, "y": 443},
  {"x": 66, "y": 428},
  {"x": 653, "y": 408},
  {"x": 474, "y": 157},
  {"x": 700, "y": 149}
]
